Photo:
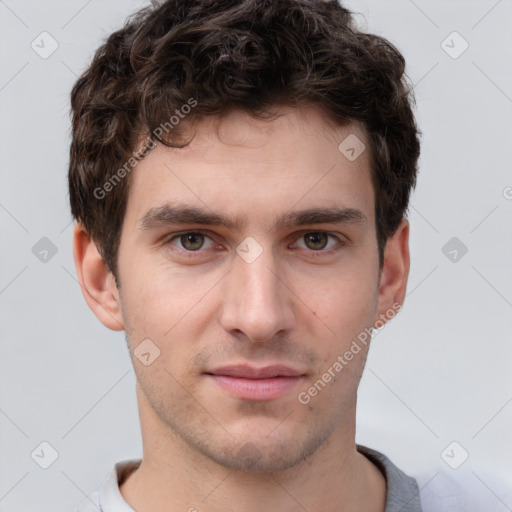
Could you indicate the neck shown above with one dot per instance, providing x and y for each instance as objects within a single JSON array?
[{"x": 174, "y": 477}]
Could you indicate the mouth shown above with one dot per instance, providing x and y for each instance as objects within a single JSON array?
[{"x": 256, "y": 384}]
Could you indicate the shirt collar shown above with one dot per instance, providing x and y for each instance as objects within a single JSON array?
[{"x": 402, "y": 493}]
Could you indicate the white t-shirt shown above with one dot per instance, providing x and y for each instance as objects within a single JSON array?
[{"x": 436, "y": 492}]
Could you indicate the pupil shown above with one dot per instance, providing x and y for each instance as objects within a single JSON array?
[
  {"x": 319, "y": 240},
  {"x": 192, "y": 241}
]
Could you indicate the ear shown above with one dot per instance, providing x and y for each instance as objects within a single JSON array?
[
  {"x": 394, "y": 275},
  {"x": 97, "y": 282}
]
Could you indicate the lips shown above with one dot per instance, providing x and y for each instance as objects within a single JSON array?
[
  {"x": 249, "y": 372},
  {"x": 255, "y": 384}
]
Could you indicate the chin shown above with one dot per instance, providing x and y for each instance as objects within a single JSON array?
[{"x": 261, "y": 456}]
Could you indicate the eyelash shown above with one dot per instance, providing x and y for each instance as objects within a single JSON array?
[{"x": 192, "y": 254}]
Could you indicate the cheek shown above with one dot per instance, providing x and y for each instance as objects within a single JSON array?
[
  {"x": 345, "y": 301},
  {"x": 342, "y": 337},
  {"x": 159, "y": 295},
  {"x": 172, "y": 309},
  {"x": 345, "y": 307}
]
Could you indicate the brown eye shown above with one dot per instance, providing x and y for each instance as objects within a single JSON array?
[
  {"x": 316, "y": 241},
  {"x": 319, "y": 243},
  {"x": 192, "y": 241},
  {"x": 191, "y": 245}
]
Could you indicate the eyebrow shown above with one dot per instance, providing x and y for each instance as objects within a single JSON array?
[{"x": 176, "y": 214}]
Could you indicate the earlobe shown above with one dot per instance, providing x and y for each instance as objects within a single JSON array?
[
  {"x": 96, "y": 281},
  {"x": 395, "y": 273}
]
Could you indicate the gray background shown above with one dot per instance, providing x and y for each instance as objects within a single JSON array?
[{"x": 437, "y": 374}]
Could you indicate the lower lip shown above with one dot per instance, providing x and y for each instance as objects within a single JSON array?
[{"x": 256, "y": 389}]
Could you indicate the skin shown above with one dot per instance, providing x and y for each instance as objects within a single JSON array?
[{"x": 295, "y": 305}]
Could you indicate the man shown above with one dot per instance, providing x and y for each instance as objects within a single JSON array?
[{"x": 240, "y": 173}]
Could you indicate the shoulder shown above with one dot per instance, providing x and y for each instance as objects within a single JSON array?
[
  {"x": 402, "y": 491},
  {"x": 108, "y": 498},
  {"x": 440, "y": 490},
  {"x": 463, "y": 491}
]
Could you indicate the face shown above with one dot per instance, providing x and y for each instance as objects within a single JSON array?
[{"x": 247, "y": 265}]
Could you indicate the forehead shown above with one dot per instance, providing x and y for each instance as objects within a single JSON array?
[{"x": 239, "y": 165}]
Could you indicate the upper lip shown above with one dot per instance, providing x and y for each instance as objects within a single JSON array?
[{"x": 249, "y": 372}]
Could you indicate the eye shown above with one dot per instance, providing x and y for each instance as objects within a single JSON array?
[
  {"x": 318, "y": 241},
  {"x": 191, "y": 241}
]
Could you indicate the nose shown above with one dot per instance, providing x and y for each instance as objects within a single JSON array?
[{"x": 256, "y": 299}]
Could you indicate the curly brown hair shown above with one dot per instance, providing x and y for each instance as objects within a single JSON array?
[{"x": 220, "y": 55}]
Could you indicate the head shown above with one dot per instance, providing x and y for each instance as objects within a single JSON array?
[{"x": 240, "y": 173}]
